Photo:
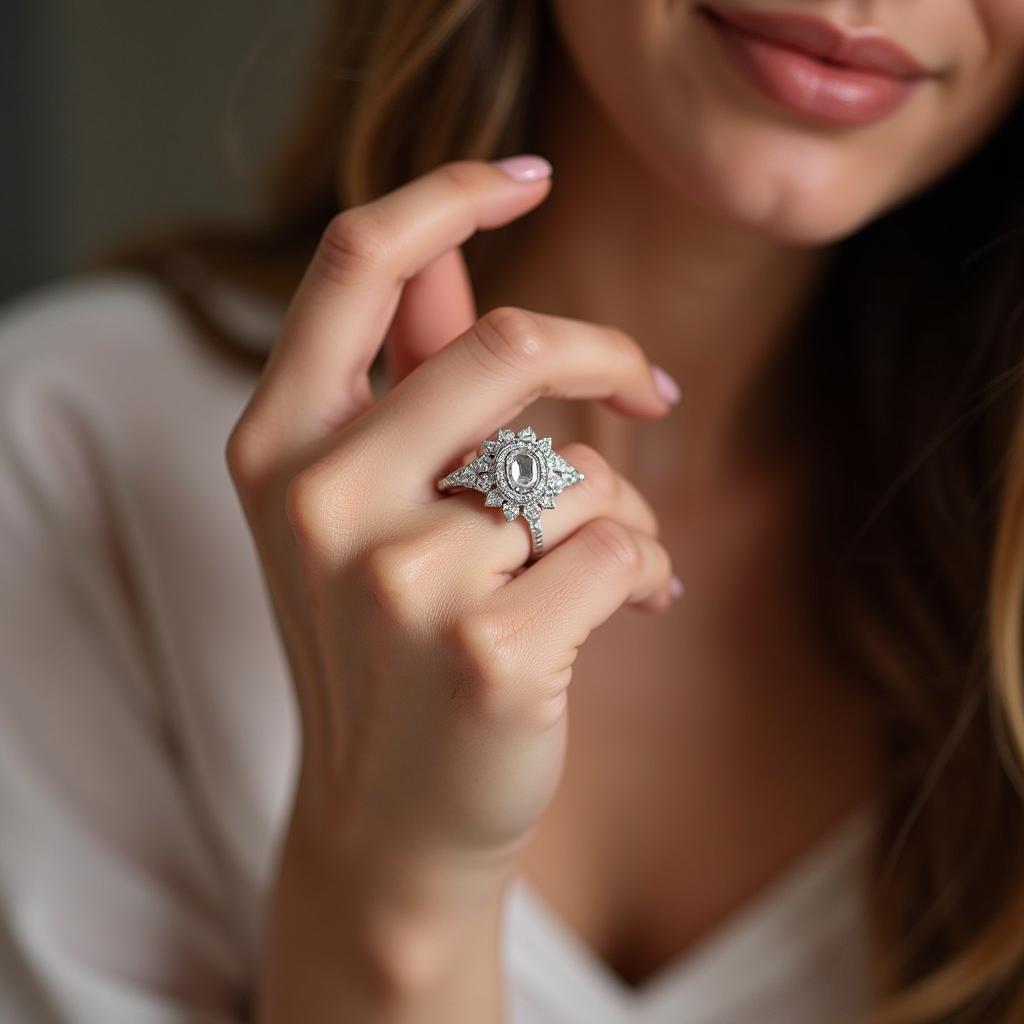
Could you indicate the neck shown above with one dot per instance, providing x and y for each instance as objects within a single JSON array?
[
  {"x": 714, "y": 304},
  {"x": 616, "y": 243}
]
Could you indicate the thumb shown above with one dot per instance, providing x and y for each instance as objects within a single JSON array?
[{"x": 436, "y": 306}]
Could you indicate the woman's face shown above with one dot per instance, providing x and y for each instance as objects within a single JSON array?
[{"x": 803, "y": 118}]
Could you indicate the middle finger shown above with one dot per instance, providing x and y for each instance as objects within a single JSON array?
[{"x": 486, "y": 377}]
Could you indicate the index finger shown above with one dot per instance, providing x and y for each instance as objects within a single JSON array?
[{"x": 315, "y": 378}]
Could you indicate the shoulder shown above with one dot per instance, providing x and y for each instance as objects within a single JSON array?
[
  {"x": 113, "y": 312},
  {"x": 54, "y": 314},
  {"x": 109, "y": 346},
  {"x": 112, "y": 410},
  {"x": 119, "y": 748},
  {"x": 105, "y": 386}
]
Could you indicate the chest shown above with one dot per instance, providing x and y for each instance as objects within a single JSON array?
[{"x": 708, "y": 749}]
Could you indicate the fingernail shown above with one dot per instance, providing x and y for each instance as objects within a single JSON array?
[
  {"x": 526, "y": 167},
  {"x": 666, "y": 385},
  {"x": 675, "y": 586}
]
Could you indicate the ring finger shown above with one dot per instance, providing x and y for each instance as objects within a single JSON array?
[{"x": 476, "y": 537}]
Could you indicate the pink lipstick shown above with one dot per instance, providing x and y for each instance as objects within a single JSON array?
[{"x": 815, "y": 68}]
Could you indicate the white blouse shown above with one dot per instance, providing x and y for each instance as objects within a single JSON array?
[{"x": 148, "y": 739}]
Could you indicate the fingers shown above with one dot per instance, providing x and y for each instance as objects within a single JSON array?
[
  {"x": 483, "y": 379},
  {"x": 316, "y": 375},
  {"x": 551, "y": 608},
  {"x": 437, "y": 305},
  {"x": 480, "y": 539}
]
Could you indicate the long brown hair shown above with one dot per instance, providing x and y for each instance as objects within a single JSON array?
[{"x": 909, "y": 365}]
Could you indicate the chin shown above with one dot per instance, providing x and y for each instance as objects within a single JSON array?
[
  {"x": 804, "y": 206},
  {"x": 799, "y": 191}
]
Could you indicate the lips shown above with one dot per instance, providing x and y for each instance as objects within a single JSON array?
[{"x": 814, "y": 68}]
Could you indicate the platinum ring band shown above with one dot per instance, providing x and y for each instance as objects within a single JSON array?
[{"x": 520, "y": 473}]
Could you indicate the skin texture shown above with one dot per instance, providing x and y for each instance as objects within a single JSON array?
[
  {"x": 431, "y": 675},
  {"x": 432, "y": 730}
]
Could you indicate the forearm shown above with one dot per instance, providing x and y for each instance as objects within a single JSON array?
[{"x": 351, "y": 942}]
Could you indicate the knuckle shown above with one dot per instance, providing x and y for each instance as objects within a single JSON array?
[
  {"x": 248, "y": 459},
  {"x": 354, "y": 240},
  {"x": 478, "y": 639},
  {"x": 614, "y": 545},
  {"x": 306, "y": 503},
  {"x": 600, "y": 481},
  {"x": 504, "y": 681},
  {"x": 486, "y": 653},
  {"x": 509, "y": 338},
  {"x": 393, "y": 576},
  {"x": 553, "y": 699},
  {"x": 463, "y": 174},
  {"x": 624, "y": 345}
]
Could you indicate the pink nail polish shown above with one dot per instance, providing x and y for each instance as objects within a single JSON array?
[
  {"x": 526, "y": 167},
  {"x": 666, "y": 385},
  {"x": 675, "y": 586}
]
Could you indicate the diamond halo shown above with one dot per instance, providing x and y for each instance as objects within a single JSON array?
[{"x": 519, "y": 473}]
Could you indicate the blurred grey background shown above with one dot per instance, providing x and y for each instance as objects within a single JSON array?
[{"x": 122, "y": 117}]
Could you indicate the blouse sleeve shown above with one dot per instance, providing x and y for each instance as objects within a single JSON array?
[{"x": 111, "y": 897}]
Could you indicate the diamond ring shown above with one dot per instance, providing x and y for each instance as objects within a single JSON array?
[{"x": 519, "y": 472}]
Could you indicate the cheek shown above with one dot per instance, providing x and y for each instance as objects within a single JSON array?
[{"x": 608, "y": 40}]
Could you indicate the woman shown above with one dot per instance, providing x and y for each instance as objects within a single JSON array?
[{"x": 791, "y": 796}]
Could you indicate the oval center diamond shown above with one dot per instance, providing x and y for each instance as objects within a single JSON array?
[{"x": 524, "y": 471}]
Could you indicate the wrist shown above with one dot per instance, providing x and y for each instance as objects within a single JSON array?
[
  {"x": 400, "y": 931},
  {"x": 412, "y": 875}
]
